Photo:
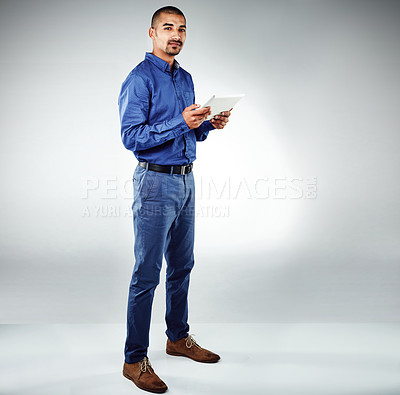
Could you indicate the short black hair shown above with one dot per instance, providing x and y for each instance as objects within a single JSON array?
[{"x": 169, "y": 9}]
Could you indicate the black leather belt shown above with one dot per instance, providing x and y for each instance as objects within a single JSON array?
[{"x": 184, "y": 169}]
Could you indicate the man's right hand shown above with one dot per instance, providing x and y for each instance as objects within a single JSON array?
[{"x": 194, "y": 118}]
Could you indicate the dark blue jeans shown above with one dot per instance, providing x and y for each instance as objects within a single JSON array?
[{"x": 163, "y": 219}]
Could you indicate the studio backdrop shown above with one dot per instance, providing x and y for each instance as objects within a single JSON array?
[{"x": 297, "y": 214}]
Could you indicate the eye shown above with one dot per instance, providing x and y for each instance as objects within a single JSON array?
[
  {"x": 167, "y": 28},
  {"x": 182, "y": 30}
]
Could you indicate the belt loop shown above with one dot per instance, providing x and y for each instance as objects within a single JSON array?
[
  {"x": 172, "y": 170},
  {"x": 147, "y": 165}
]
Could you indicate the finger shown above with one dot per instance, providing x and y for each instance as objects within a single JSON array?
[
  {"x": 218, "y": 124},
  {"x": 201, "y": 111},
  {"x": 192, "y": 107}
]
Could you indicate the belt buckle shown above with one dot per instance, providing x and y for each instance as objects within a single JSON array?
[{"x": 183, "y": 167}]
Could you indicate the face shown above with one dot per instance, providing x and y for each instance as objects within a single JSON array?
[{"x": 168, "y": 35}]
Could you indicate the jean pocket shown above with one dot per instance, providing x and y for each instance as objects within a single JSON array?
[{"x": 149, "y": 187}]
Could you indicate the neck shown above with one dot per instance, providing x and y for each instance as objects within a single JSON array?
[{"x": 162, "y": 55}]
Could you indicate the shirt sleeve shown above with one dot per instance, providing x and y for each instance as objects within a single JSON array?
[
  {"x": 134, "y": 106},
  {"x": 202, "y": 131}
]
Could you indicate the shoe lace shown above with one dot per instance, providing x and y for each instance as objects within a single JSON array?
[
  {"x": 190, "y": 342},
  {"x": 145, "y": 365}
]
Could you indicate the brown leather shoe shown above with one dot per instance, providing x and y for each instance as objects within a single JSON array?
[
  {"x": 143, "y": 375},
  {"x": 187, "y": 347}
]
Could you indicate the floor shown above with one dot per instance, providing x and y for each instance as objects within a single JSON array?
[{"x": 276, "y": 359}]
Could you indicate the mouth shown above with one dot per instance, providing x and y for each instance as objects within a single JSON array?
[{"x": 175, "y": 43}]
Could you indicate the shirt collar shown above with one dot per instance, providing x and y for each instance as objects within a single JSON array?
[{"x": 160, "y": 63}]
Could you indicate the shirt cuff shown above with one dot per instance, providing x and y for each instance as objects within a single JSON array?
[
  {"x": 182, "y": 124},
  {"x": 175, "y": 126},
  {"x": 208, "y": 126}
]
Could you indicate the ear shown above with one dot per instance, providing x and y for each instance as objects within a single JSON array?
[{"x": 151, "y": 32}]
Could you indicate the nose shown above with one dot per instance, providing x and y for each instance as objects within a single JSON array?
[{"x": 176, "y": 35}]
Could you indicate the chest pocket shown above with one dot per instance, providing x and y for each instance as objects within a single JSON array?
[{"x": 188, "y": 98}]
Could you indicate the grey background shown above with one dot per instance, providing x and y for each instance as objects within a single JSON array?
[{"x": 322, "y": 81}]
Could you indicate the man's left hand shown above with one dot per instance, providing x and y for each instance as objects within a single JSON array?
[{"x": 219, "y": 121}]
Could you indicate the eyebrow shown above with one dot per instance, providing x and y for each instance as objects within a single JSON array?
[{"x": 170, "y": 24}]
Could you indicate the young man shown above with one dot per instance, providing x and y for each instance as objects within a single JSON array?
[{"x": 160, "y": 124}]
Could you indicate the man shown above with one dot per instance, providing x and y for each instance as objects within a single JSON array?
[{"x": 160, "y": 124}]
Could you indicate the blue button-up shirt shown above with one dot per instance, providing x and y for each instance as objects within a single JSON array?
[{"x": 151, "y": 103}]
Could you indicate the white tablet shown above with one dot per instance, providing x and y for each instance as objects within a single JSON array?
[{"x": 219, "y": 104}]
